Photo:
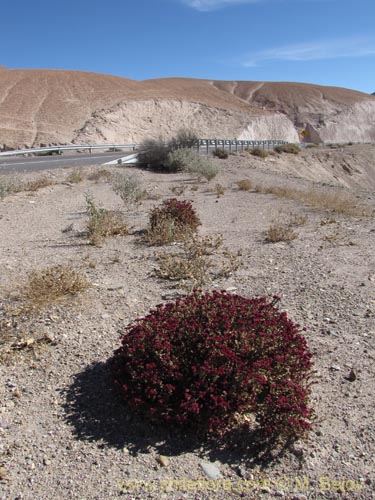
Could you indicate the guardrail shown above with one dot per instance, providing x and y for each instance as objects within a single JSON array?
[
  {"x": 73, "y": 147},
  {"x": 236, "y": 145},
  {"x": 207, "y": 144}
]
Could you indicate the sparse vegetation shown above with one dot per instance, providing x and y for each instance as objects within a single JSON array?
[
  {"x": 53, "y": 283},
  {"x": 220, "y": 153},
  {"x": 278, "y": 231},
  {"x": 288, "y": 148},
  {"x": 219, "y": 190},
  {"x": 75, "y": 177},
  {"x": 335, "y": 201},
  {"x": 259, "y": 152},
  {"x": 100, "y": 174},
  {"x": 192, "y": 268},
  {"x": 103, "y": 223},
  {"x": 244, "y": 185},
  {"x": 129, "y": 188},
  {"x": 172, "y": 221}
]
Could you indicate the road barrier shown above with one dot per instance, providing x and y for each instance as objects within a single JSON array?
[{"x": 201, "y": 144}]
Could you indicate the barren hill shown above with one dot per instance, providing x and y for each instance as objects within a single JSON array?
[{"x": 56, "y": 107}]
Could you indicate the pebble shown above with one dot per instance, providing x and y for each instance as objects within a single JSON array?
[
  {"x": 162, "y": 460},
  {"x": 210, "y": 470}
]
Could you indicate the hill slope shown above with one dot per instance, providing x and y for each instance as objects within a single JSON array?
[{"x": 49, "y": 106}]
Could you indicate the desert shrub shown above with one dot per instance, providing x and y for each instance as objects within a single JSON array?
[
  {"x": 220, "y": 153},
  {"x": 100, "y": 174},
  {"x": 244, "y": 185},
  {"x": 4, "y": 189},
  {"x": 129, "y": 188},
  {"x": 202, "y": 167},
  {"x": 201, "y": 361},
  {"x": 193, "y": 266},
  {"x": 171, "y": 221},
  {"x": 53, "y": 283},
  {"x": 279, "y": 232},
  {"x": 180, "y": 159},
  {"x": 153, "y": 153},
  {"x": 185, "y": 138},
  {"x": 259, "y": 152},
  {"x": 288, "y": 148},
  {"x": 103, "y": 223},
  {"x": 75, "y": 177}
]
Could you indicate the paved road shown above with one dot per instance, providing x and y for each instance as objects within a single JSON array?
[{"x": 21, "y": 164}]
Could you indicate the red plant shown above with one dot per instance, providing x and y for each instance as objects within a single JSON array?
[
  {"x": 181, "y": 212},
  {"x": 203, "y": 359}
]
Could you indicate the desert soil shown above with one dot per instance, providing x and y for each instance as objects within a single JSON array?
[{"x": 64, "y": 434}]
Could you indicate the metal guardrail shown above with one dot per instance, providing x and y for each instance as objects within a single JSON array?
[
  {"x": 73, "y": 147},
  {"x": 231, "y": 144}
]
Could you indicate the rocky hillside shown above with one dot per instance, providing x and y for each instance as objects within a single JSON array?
[{"x": 57, "y": 107}]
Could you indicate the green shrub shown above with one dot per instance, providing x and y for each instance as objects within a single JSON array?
[
  {"x": 180, "y": 159},
  {"x": 204, "y": 360},
  {"x": 153, "y": 154},
  {"x": 288, "y": 148},
  {"x": 128, "y": 187}
]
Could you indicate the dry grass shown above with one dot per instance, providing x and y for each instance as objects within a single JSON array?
[
  {"x": 75, "y": 177},
  {"x": 54, "y": 283},
  {"x": 244, "y": 185},
  {"x": 279, "y": 232},
  {"x": 219, "y": 190},
  {"x": 341, "y": 203},
  {"x": 103, "y": 223},
  {"x": 12, "y": 184},
  {"x": 288, "y": 148},
  {"x": 101, "y": 174},
  {"x": 259, "y": 152}
]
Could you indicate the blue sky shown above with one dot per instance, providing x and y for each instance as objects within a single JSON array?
[{"x": 328, "y": 42}]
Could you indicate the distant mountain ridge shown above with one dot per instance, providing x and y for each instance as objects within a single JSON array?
[{"x": 57, "y": 107}]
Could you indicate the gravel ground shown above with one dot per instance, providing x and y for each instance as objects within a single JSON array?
[{"x": 64, "y": 435}]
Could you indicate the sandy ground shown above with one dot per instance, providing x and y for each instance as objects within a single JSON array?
[{"x": 64, "y": 435}]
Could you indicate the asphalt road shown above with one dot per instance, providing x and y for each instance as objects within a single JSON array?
[{"x": 20, "y": 164}]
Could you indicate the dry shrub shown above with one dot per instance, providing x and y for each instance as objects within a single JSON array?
[
  {"x": 259, "y": 152},
  {"x": 101, "y": 174},
  {"x": 37, "y": 184},
  {"x": 192, "y": 268},
  {"x": 220, "y": 153},
  {"x": 244, "y": 185},
  {"x": 53, "y": 283},
  {"x": 178, "y": 190},
  {"x": 103, "y": 223},
  {"x": 75, "y": 177},
  {"x": 219, "y": 190},
  {"x": 172, "y": 221},
  {"x": 288, "y": 148},
  {"x": 279, "y": 232}
]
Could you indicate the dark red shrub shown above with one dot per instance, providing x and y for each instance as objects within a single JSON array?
[
  {"x": 202, "y": 360},
  {"x": 181, "y": 212}
]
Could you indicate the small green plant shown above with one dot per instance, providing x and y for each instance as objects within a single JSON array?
[
  {"x": 171, "y": 221},
  {"x": 259, "y": 152},
  {"x": 129, "y": 188},
  {"x": 220, "y": 153},
  {"x": 205, "y": 359},
  {"x": 244, "y": 185},
  {"x": 103, "y": 223},
  {"x": 288, "y": 148}
]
